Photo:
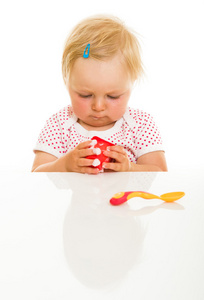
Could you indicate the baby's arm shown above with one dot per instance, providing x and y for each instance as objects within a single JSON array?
[
  {"x": 74, "y": 161},
  {"x": 150, "y": 162}
]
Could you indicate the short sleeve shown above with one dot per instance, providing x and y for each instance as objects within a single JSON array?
[
  {"x": 145, "y": 132},
  {"x": 54, "y": 136},
  {"x": 148, "y": 137}
]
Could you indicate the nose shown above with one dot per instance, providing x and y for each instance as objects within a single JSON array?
[{"x": 98, "y": 104}]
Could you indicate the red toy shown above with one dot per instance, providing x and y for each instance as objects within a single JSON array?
[{"x": 100, "y": 158}]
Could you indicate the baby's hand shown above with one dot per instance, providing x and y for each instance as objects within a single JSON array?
[
  {"x": 76, "y": 161},
  {"x": 121, "y": 163}
]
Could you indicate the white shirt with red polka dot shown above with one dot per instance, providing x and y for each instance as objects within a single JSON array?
[{"x": 136, "y": 131}]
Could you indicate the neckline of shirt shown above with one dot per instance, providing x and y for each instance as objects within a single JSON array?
[{"x": 82, "y": 131}]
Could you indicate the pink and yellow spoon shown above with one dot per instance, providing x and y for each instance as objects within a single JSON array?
[{"x": 122, "y": 197}]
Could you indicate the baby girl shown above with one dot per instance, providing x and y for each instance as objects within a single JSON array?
[{"x": 101, "y": 62}]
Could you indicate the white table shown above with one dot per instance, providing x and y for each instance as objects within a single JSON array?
[{"x": 61, "y": 239}]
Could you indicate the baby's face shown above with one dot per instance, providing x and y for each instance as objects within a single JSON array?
[{"x": 99, "y": 91}]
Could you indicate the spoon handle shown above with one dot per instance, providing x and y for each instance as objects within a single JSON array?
[
  {"x": 122, "y": 197},
  {"x": 143, "y": 195}
]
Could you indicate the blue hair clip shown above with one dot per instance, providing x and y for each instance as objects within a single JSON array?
[{"x": 86, "y": 51}]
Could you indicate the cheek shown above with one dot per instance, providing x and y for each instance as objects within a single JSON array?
[
  {"x": 79, "y": 107},
  {"x": 120, "y": 106}
]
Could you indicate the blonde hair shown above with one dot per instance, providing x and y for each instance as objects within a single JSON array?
[{"x": 106, "y": 36}]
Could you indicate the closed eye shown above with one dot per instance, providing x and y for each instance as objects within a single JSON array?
[
  {"x": 84, "y": 96},
  {"x": 113, "y": 97},
  {"x": 109, "y": 96}
]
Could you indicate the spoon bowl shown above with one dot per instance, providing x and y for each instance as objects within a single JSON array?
[{"x": 170, "y": 197}]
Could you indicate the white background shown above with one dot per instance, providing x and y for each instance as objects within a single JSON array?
[{"x": 32, "y": 36}]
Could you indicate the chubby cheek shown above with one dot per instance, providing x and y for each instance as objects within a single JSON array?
[
  {"x": 119, "y": 108},
  {"x": 80, "y": 108}
]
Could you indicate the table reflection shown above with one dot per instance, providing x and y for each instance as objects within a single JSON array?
[{"x": 103, "y": 243}]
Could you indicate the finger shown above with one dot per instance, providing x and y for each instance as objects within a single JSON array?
[
  {"x": 118, "y": 149},
  {"x": 120, "y": 157},
  {"x": 89, "y": 151},
  {"x": 85, "y": 162},
  {"x": 84, "y": 145},
  {"x": 112, "y": 166}
]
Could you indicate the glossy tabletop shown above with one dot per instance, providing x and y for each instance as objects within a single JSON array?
[{"x": 61, "y": 239}]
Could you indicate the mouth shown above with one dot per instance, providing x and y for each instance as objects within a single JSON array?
[{"x": 97, "y": 118}]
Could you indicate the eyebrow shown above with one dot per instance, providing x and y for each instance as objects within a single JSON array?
[
  {"x": 86, "y": 90},
  {"x": 83, "y": 89},
  {"x": 116, "y": 92}
]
